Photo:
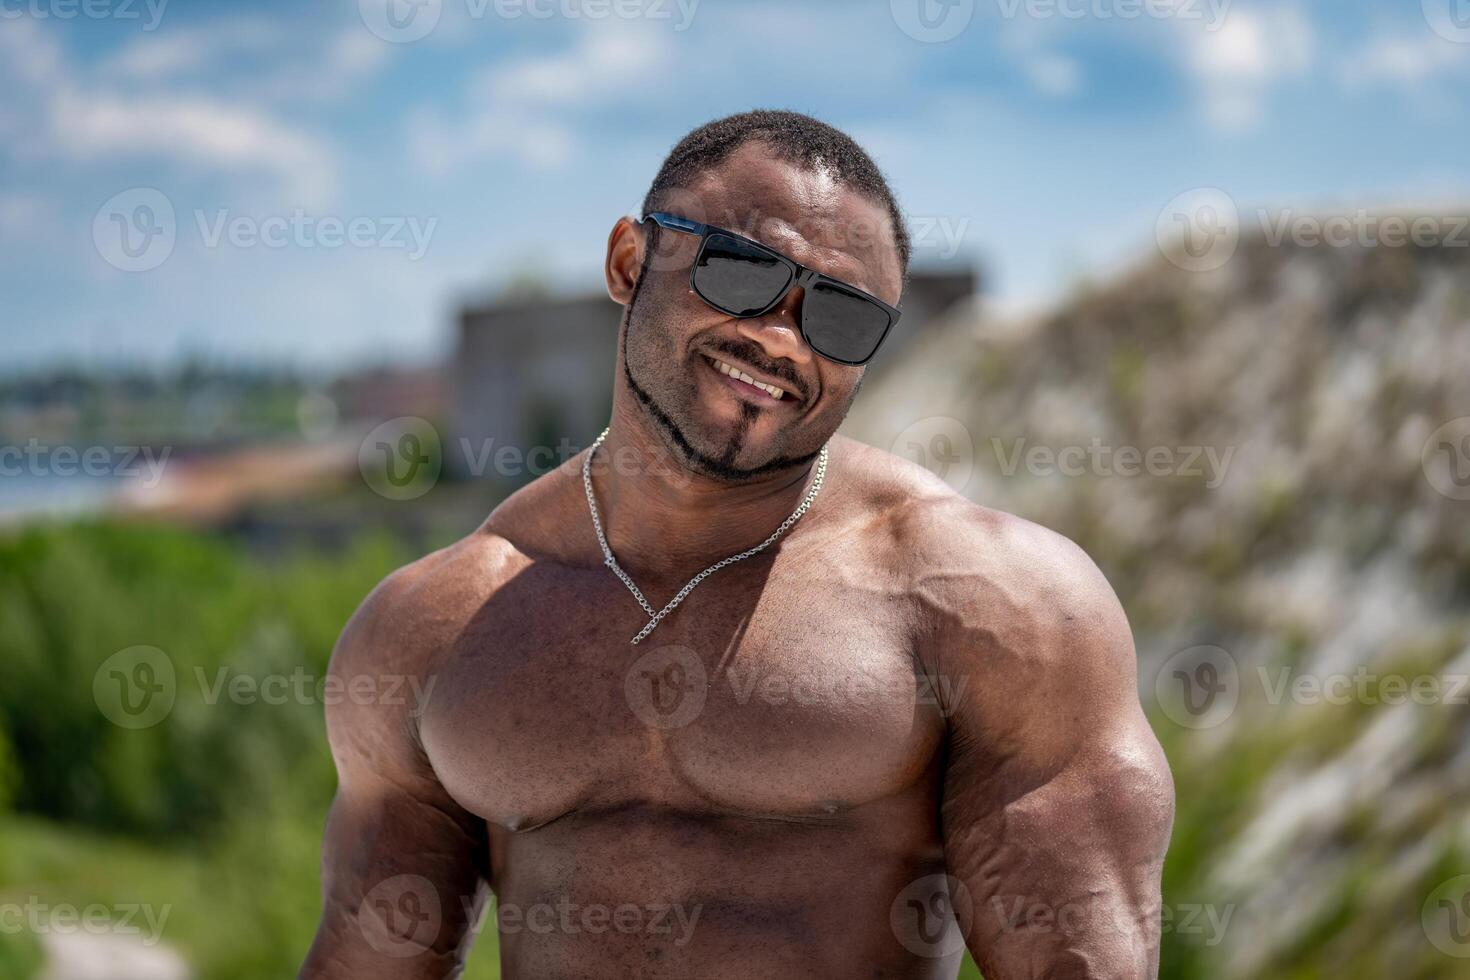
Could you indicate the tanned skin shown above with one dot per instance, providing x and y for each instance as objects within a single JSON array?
[{"x": 910, "y": 707}]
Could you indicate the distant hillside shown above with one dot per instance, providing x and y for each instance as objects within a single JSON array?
[{"x": 1303, "y": 523}]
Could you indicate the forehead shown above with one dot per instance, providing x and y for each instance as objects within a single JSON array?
[{"x": 807, "y": 214}]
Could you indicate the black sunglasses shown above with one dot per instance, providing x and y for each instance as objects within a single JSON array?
[{"x": 746, "y": 279}]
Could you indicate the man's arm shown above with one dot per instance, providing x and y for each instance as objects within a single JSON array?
[
  {"x": 1057, "y": 800},
  {"x": 403, "y": 865}
]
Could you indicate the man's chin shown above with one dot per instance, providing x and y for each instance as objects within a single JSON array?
[
  {"x": 718, "y": 455},
  {"x": 714, "y": 450}
]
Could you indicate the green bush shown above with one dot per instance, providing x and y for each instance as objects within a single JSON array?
[{"x": 71, "y": 597}]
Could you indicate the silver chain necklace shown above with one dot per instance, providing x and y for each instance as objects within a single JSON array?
[{"x": 611, "y": 562}]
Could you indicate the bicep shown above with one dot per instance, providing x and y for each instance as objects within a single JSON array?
[
  {"x": 1060, "y": 870},
  {"x": 402, "y": 880},
  {"x": 1057, "y": 800},
  {"x": 404, "y": 866}
]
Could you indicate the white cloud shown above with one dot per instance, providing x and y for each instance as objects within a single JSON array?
[
  {"x": 25, "y": 217},
  {"x": 159, "y": 56},
  {"x": 197, "y": 131},
  {"x": 1053, "y": 74},
  {"x": 330, "y": 74},
  {"x": 522, "y": 109},
  {"x": 582, "y": 73},
  {"x": 440, "y": 147},
  {"x": 92, "y": 116},
  {"x": 1238, "y": 64},
  {"x": 1411, "y": 61},
  {"x": 1026, "y": 43},
  {"x": 260, "y": 59},
  {"x": 31, "y": 56}
]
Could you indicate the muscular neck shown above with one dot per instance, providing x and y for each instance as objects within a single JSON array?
[{"x": 667, "y": 523}]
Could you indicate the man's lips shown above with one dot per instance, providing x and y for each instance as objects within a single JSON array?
[{"x": 750, "y": 385}]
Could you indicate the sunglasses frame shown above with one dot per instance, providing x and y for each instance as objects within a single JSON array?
[{"x": 800, "y": 276}]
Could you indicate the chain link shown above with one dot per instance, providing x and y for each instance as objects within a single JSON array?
[{"x": 612, "y": 563}]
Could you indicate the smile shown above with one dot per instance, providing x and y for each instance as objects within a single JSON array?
[{"x": 739, "y": 377}]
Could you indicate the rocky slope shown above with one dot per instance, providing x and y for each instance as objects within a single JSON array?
[{"x": 1266, "y": 461}]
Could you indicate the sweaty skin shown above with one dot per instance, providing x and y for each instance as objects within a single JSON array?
[{"x": 909, "y": 727}]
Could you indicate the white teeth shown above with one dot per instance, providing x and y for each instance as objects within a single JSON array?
[{"x": 734, "y": 372}]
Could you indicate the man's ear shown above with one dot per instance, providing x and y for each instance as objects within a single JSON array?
[{"x": 625, "y": 247}]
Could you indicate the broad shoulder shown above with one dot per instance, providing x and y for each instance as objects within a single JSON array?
[
  {"x": 417, "y": 611},
  {"x": 991, "y": 588},
  {"x": 415, "y": 614}
]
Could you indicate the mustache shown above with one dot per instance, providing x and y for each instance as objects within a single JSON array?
[{"x": 751, "y": 354}]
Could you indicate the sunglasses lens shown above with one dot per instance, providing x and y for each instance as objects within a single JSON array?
[
  {"x": 842, "y": 324},
  {"x": 739, "y": 277}
]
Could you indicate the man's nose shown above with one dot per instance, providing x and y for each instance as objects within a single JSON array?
[{"x": 778, "y": 331}]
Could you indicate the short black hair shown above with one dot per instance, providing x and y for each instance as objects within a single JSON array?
[{"x": 795, "y": 138}]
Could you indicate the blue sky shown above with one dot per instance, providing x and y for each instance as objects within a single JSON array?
[{"x": 1042, "y": 140}]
